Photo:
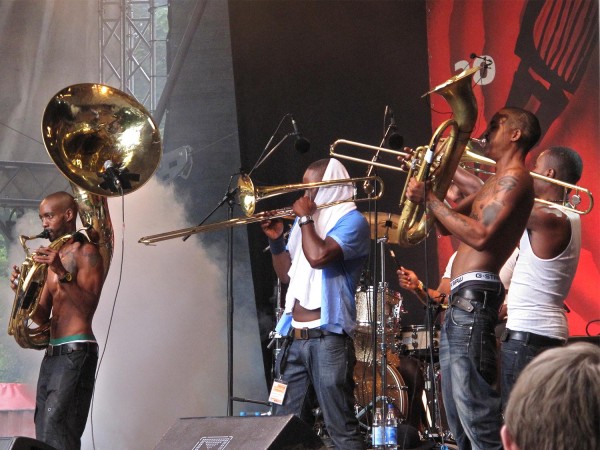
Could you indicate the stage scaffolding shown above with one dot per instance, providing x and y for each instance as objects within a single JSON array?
[{"x": 132, "y": 40}]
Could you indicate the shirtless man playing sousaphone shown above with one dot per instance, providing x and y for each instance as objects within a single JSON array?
[
  {"x": 489, "y": 225},
  {"x": 69, "y": 300}
]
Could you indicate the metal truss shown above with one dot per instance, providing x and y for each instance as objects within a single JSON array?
[{"x": 130, "y": 41}]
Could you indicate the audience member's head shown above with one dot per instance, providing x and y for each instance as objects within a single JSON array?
[{"x": 555, "y": 403}]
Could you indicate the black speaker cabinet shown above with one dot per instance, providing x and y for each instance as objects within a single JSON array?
[
  {"x": 23, "y": 443},
  {"x": 237, "y": 433}
]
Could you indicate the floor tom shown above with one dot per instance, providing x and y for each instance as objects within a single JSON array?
[{"x": 395, "y": 392}]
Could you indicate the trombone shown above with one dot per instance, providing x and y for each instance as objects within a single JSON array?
[
  {"x": 250, "y": 195},
  {"x": 469, "y": 156}
]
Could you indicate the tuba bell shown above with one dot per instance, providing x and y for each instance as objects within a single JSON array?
[
  {"x": 445, "y": 155},
  {"x": 106, "y": 144}
]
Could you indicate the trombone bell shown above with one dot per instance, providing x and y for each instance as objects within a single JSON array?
[{"x": 249, "y": 195}]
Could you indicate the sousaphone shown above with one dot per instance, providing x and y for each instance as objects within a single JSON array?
[{"x": 106, "y": 144}]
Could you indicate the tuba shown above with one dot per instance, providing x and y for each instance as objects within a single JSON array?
[
  {"x": 106, "y": 144},
  {"x": 439, "y": 160}
]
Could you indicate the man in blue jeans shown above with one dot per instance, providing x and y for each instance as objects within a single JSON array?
[
  {"x": 548, "y": 258},
  {"x": 489, "y": 224},
  {"x": 325, "y": 254}
]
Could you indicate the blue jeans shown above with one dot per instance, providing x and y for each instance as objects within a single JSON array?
[
  {"x": 64, "y": 394},
  {"x": 324, "y": 366},
  {"x": 468, "y": 366},
  {"x": 515, "y": 356}
]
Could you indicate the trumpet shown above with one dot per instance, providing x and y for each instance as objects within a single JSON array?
[
  {"x": 469, "y": 156},
  {"x": 251, "y": 195}
]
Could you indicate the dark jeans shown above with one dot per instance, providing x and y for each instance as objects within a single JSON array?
[
  {"x": 64, "y": 394},
  {"x": 325, "y": 364},
  {"x": 468, "y": 365},
  {"x": 515, "y": 356}
]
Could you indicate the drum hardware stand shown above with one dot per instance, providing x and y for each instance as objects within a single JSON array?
[
  {"x": 379, "y": 329},
  {"x": 434, "y": 429},
  {"x": 275, "y": 343}
]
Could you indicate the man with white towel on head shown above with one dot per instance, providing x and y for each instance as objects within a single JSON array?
[{"x": 322, "y": 263}]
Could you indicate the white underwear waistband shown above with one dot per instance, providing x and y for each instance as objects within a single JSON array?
[
  {"x": 312, "y": 324},
  {"x": 487, "y": 277}
]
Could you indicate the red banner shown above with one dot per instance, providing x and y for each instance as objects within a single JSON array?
[{"x": 543, "y": 56}]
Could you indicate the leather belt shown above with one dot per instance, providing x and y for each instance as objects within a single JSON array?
[
  {"x": 311, "y": 333},
  {"x": 463, "y": 298},
  {"x": 70, "y": 347},
  {"x": 531, "y": 338}
]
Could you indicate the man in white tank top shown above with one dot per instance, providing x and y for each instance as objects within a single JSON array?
[{"x": 548, "y": 258}]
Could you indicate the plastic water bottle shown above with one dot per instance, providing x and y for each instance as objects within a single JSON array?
[
  {"x": 391, "y": 427},
  {"x": 378, "y": 430}
]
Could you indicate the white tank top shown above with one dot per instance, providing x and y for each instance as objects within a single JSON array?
[{"x": 539, "y": 287}]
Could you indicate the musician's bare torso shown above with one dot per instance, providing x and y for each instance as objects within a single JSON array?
[
  {"x": 487, "y": 208},
  {"x": 73, "y": 304}
]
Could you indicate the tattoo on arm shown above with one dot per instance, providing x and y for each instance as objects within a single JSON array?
[
  {"x": 93, "y": 258},
  {"x": 490, "y": 212},
  {"x": 506, "y": 183},
  {"x": 442, "y": 210}
]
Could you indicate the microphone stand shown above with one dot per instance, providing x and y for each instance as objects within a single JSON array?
[
  {"x": 261, "y": 158},
  {"x": 230, "y": 199},
  {"x": 375, "y": 332},
  {"x": 227, "y": 198},
  {"x": 230, "y": 303}
]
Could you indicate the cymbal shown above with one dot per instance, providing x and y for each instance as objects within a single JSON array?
[{"x": 385, "y": 223}]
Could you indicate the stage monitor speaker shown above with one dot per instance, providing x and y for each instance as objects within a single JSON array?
[
  {"x": 237, "y": 433},
  {"x": 23, "y": 443}
]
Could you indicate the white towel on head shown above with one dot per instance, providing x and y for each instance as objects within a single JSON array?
[{"x": 305, "y": 282}]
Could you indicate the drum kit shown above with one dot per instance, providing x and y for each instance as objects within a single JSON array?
[
  {"x": 411, "y": 352},
  {"x": 400, "y": 343}
]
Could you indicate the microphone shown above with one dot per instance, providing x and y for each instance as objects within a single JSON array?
[
  {"x": 302, "y": 145},
  {"x": 111, "y": 176},
  {"x": 117, "y": 178},
  {"x": 395, "y": 140},
  {"x": 485, "y": 63}
]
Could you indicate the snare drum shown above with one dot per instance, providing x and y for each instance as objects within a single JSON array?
[
  {"x": 364, "y": 308},
  {"x": 414, "y": 339}
]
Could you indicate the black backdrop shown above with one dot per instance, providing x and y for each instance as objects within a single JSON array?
[{"x": 334, "y": 66}]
